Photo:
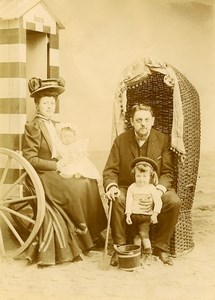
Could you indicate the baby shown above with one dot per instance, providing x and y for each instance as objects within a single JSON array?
[
  {"x": 143, "y": 203},
  {"x": 73, "y": 150}
]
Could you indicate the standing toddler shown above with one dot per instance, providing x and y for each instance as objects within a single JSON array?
[{"x": 143, "y": 204}]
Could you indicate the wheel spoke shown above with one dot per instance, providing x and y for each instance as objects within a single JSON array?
[
  {"x": 22, "y": 210},
  {"x": 4, "y": 174},
  {"x": 2, "y": 249},
  {"x": 19, "y": 208},
  {"x": 12, "y": 187},
  {"x": 9, "y": 224},
  {"x": 17, "y": 200},
  {"x": 13, "y": 212}
]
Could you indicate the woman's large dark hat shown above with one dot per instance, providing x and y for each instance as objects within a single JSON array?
[{"x": 47, "y": 87}]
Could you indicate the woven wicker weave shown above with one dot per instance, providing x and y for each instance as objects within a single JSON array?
[{"x": 153, "y": 91}]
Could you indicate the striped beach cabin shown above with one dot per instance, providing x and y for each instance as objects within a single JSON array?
[{"x": 29, "y": 46}]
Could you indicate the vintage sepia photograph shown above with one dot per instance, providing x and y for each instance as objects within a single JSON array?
[{"x": 107, "y": 174}]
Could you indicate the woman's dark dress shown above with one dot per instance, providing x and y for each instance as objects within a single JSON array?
[{"x": 69, "y": 203}]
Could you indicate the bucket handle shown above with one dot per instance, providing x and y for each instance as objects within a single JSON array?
[{"x": 122, "y": 252}]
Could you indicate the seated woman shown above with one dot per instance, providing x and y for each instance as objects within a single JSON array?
[{"x": 74, "y": 212}]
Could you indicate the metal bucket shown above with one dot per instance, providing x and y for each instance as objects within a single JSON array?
[{"x": 129, "y": 257}]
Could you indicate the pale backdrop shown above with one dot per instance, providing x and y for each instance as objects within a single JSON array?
[{"x": 101, "y": 37}]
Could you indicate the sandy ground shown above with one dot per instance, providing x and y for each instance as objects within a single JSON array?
[{"x": 191, "y": 277}]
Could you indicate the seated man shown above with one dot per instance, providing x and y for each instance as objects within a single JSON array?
[{"x": 142, "y": 140}]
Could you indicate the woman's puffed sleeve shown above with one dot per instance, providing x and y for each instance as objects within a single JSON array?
[{"x": 31, "y": 147}]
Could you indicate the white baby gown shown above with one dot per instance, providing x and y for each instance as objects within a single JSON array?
[{"x": 80, "y": 164}]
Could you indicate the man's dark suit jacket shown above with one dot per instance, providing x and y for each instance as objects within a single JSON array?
[{"x": 125, "y": 149}]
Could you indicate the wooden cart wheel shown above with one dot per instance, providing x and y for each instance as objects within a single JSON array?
[{"x": 21, "y": 212}]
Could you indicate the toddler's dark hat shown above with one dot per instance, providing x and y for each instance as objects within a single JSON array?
[
  {"x": 47, "y": 87},
  {"x": 142, "y": 159}
]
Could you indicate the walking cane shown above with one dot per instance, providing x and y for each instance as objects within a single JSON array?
[{"x": 105, "y": 263}]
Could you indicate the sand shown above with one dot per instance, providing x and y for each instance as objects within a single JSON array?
[{"x": 192, "y": 277}]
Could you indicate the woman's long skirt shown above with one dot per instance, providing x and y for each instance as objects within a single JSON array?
[{"x": 74, "y": 218}]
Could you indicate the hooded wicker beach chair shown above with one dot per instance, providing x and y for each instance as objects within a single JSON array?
[{"x": 177, "y": 112}]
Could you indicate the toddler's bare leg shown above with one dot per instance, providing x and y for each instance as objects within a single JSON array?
[
  {"x": 137, "y": 240},
  {"x": 144, "y": 236},
  {"x": 147, "y": 248}
]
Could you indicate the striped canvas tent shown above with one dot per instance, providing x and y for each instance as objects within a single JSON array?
[{"x": 29, "y": 46}]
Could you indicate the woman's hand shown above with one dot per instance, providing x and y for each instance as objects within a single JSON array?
[{"x": 61, "y": 163}]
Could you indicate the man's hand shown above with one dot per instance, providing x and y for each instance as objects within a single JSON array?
[
  {"x": 128, "y": 219},
  {"x": 113, "y": 193}
]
